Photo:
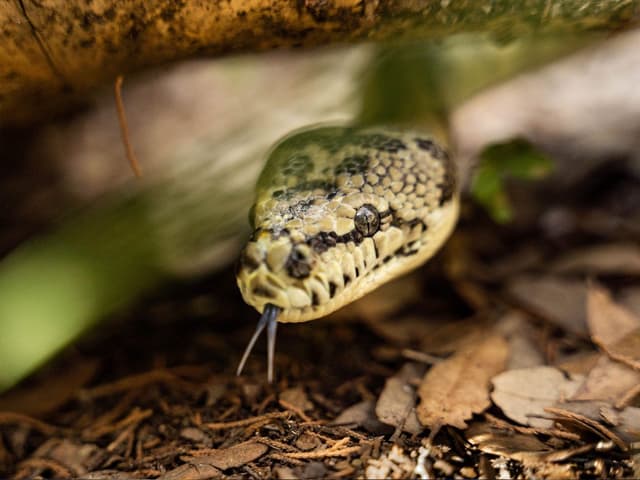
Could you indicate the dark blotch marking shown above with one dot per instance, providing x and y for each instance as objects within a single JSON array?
[
  {"x": 332, "y": 289},
  {"x": 380, "y": 142},
  {"x": 315, "y": 301},
  {"x": 448, "y": 184},
  {"x": 346, "y": 279},
  {"x": 353, "y": 165},
  {"x": 323, "y": 241},
  {"x": 432, "y": 147},
  {"x": 306, "y": 186},
  {"x": 297, "y": 265}
]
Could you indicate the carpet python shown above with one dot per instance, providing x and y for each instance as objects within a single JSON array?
[{"x": 339, "y": 211}]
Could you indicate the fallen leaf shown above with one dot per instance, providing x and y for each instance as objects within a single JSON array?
[
  {"x": 523, "y": 394},
  {"x": 616, "y": 258},
  {"x": 451, "y": 336},
  {"x": 579, "y": 363},
  {"x": 630, "y": 299},
  {"x": 396, "y": 404},
  {"x": 608, "y": 321},
  {"x": 520, "y": 334},
  {"x": 627, "y": 349},
  {"x": 557, "y": 300},
  {"x": 608, "y": 381},
  {"x": 298, "y": 398},
  {"x": 588, "y": 415},
  {"x": 362, "y": 414},
  {"x": 231, "y": 457},
  {"x": 192, "y": 471},
  {"x": 516, "y": 446},
  {"x": 453, "y": 390}
]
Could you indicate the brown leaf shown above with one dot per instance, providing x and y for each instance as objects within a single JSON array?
[
  {"x": 231, "y": 457},
  {"x": 609, "y": 381},
  {"x": 192, "y": 471},
  {"x": 627, "y": 349},
  {"x": 396, "y": 404},
  {"x": 523, "y": 394},
  {"x": 608, "y": 321},
  {"x": 559, "y": 301},
  {"x": 617, "y": 259},
  {"x": 588, "y": 415},
  {"x": 362, "y": 414},
  {"x": 517, "y": 446},
  {"x": 452, "y": 391},
  {"x": 298, "y": 398}
]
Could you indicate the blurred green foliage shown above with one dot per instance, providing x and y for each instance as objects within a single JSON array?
[{"x": 516, "y": 159}]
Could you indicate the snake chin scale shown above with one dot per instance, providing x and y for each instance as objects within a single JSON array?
[{"x": 339, "y": 211}]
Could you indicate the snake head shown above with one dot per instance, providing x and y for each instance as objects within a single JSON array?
[{"x": 340, "y": 211}]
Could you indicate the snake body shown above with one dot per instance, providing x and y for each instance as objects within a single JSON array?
[{"x": 340, "y": 211}]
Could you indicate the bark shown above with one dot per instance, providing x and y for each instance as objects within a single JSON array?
[{"x": 54, "y": 51}]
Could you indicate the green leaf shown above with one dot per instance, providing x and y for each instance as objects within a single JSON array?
[{"x": 516, "y": 159}]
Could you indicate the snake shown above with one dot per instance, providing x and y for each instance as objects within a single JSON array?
[{"x": 339, "y": 211}]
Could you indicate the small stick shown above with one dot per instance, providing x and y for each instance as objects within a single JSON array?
[{"x": 124, "y": 128}]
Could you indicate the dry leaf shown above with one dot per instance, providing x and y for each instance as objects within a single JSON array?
[
  {"x": 559, "y": 301},
  {"x": 396, "y": 404},
  {"x": 453, "y": 390},
  {"x": 192, "y": 471},
  {"x": 630, "y": 299},
  {"x": 588, "y": 415},
  {"x": 517, "y": 446},
  {"x": 579, "y": 363},
  {"x": 362, "y": 414},
  {"x": 231, "y": 457},
  {"x": 608, "y": 321},
  {"x": 521, "y": 337},
  {"x": 617, "y": 259},
  {"x": 451, "y": 336},
  {"x": 626, "y": 350},
  {"x": 608, "y": 381},
  {"x": 523, "y": 394},
  {"x": 298, "y": 398}
]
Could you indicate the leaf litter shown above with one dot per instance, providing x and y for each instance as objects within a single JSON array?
[{"x": 519, "y": 359}]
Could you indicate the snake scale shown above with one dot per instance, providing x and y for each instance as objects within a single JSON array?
[{"x": 339, "y": 211}]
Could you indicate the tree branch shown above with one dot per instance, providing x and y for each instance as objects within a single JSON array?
[{"x": 53, "y": 51}]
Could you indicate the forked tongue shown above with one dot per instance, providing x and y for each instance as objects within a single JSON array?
[{"x": 268, "y": 319}]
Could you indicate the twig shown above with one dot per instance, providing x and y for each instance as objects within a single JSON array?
[
  {"x": 292, "y": 408},
  {"x": 45, "y": 428},
  {"x": 124, "y": 128},
  {"x": 246, "y": 421}
]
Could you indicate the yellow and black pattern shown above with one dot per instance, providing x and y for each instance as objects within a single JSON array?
[{"x": 341, "y": 210}]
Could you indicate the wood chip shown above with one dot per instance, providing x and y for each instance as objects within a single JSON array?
[
  {"x": 453, "y": 390},
  {"x": 523, "y": 394}
]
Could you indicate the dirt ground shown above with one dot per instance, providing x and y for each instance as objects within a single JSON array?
[{"x": 515, "y": 352}]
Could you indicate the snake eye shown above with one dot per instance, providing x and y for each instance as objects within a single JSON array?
[{"x": 367, "y": 220}]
